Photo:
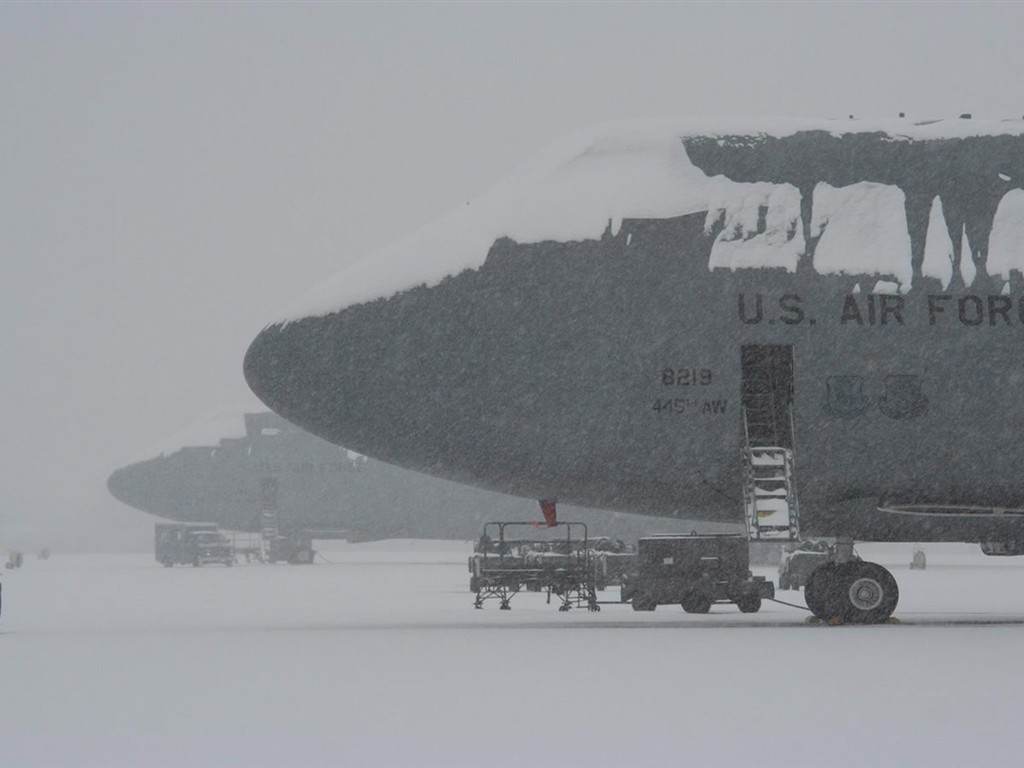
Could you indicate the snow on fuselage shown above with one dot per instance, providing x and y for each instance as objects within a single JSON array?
[{"x": 577, "y": 333}]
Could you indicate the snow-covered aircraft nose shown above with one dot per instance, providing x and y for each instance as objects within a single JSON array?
[
  {"x": 488, "y": 348},
  {"x": 485, "y": 377}
]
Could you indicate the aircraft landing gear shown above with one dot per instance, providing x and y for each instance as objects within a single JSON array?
[{"x": 852, "y": 592}]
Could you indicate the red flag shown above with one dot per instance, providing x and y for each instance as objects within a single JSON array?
[{"x": 547, "y": 506}]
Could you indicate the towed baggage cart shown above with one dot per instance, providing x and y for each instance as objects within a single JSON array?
[{"x": 561, "y": 565}]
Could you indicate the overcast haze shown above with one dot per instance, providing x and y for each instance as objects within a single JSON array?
[{"x": 172, "y": 175}]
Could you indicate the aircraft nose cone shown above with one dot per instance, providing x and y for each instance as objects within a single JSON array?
[
  {"x": 361, "y": 378},
  {"x": 504, "y": 377},
  {"x": 147, "y": 486},
  {"x": 121, "y": 487},
  {"x": 531, "y": 376},
  {"x": 299, "y": 369}
]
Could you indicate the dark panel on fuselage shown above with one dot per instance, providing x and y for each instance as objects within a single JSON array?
[{"x": 766, "y": 394}]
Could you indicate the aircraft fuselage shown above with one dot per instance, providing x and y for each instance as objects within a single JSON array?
[{"x": 607, "y": 372}]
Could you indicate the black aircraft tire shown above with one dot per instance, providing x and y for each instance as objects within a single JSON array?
[
  {"x": 868, "y": 593},
  {"x": 816, "y": 588}
]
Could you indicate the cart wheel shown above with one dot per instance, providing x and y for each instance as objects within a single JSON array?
[
  {"x": 696, "y": 602},
  {"x": 643, "y": 603},
  {"x": 749, "y": 604}
]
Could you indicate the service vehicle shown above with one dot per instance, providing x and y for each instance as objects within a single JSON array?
[
  {"x": 194, "y": 544},
  {"x": 695, "y": 571}
]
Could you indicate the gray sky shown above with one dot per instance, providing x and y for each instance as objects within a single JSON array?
[{"x": 172, "y": 174}]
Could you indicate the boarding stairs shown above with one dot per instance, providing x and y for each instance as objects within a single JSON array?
[
  {"x": 770, "y": 503},
  {"x": 270, "y": 531}
]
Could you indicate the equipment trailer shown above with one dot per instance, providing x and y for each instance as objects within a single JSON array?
[
  {"x": 501, "y": 566},
  {"x": 695, "y": 571}
]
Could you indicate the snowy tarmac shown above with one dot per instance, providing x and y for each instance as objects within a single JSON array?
[{"x": 378, "y": 658}]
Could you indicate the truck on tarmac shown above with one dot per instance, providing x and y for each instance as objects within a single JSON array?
[
  {"x": 695, "y": 571},
  {"x": 296, "y": 549},
  {"x": 195, "y": 544}
]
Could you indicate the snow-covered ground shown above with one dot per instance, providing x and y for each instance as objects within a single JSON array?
[{"x": 378, "y": 658}]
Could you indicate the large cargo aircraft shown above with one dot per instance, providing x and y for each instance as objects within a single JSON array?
[
  {"x": 697, "y": 318},
  {"x": 248, "y": 471}
]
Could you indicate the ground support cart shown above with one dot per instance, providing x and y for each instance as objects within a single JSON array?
[
  {"x": 502, "y": 566},
  {"x": 695, "y": 572}
]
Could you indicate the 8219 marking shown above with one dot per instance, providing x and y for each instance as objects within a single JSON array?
[{"x": 686, "y": 377}]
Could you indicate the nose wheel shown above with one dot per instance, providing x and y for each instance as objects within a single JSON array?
[{"x": 853, "y": 592}]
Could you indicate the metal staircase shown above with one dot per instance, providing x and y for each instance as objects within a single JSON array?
[
  {"x": 770, "y": 503},
  {"x": 270, "y": 529}
]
